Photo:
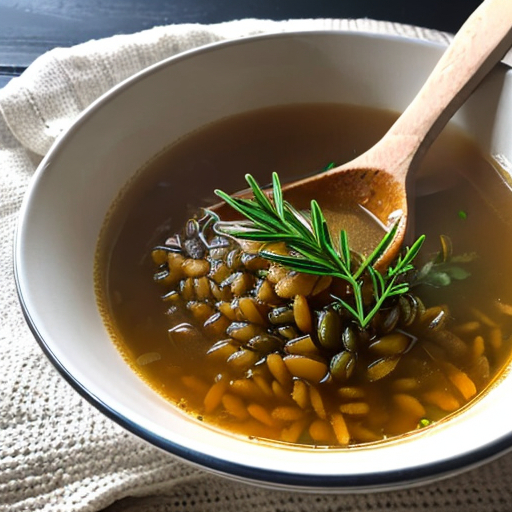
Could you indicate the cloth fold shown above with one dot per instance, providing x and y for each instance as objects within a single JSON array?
[
  {"x": 61, "y": 83},
  {"x": 57, "y": 453}
]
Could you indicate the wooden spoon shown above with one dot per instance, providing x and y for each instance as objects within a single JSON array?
[{"x": 377, "y": 179}]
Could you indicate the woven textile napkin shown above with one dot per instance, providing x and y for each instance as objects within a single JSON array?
[{"x": 57, "y": 453}]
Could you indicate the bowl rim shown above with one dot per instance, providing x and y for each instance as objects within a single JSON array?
[{"x": 383, "y": 480}]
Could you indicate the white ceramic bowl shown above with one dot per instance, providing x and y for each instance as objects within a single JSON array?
[{"x": 83, "y": 173}]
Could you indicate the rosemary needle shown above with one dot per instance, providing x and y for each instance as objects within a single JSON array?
[{"x": 270, "y": 218}]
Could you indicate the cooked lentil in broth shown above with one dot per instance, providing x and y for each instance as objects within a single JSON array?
[{"x": 259, "y": 350}]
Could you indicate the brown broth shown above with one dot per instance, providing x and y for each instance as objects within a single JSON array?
[{"x": 294, "y": 141}]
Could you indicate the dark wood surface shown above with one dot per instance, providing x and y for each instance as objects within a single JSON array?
[{"x": 29, "y": 28}]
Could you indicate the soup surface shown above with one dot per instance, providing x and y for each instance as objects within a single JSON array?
[{"x": 262, "y": 351}]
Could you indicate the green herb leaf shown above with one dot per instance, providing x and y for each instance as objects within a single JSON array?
[
  {"x": 278, "y": 195},
  {"x": 442, "y": 269},
  {"x": 437, "y": 279},
  {"x": 457, "y": 273},
  {"x": 379, "y": 250},
  {"x": 404, "y": 263},
  {"x": 259, "y": 195},
  {"x": 345, "y": 249}
]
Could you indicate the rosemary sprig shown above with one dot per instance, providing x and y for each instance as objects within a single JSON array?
[{"x": 271, "y": 219}]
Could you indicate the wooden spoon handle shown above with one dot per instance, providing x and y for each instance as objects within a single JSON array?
[{"x": 478, "y": 46}]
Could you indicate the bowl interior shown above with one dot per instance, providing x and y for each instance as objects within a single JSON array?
[{"x": 84, "y": 172}]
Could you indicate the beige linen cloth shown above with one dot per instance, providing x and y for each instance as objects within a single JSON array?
[{"x": 57, "y": 453}]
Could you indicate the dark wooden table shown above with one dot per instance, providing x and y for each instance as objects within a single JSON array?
[{"x": 29, "y": 28}]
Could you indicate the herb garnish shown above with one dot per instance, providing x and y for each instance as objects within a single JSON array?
[
  {"x": 445, "y": 267},
  {"x": 306, "y": 234}
]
